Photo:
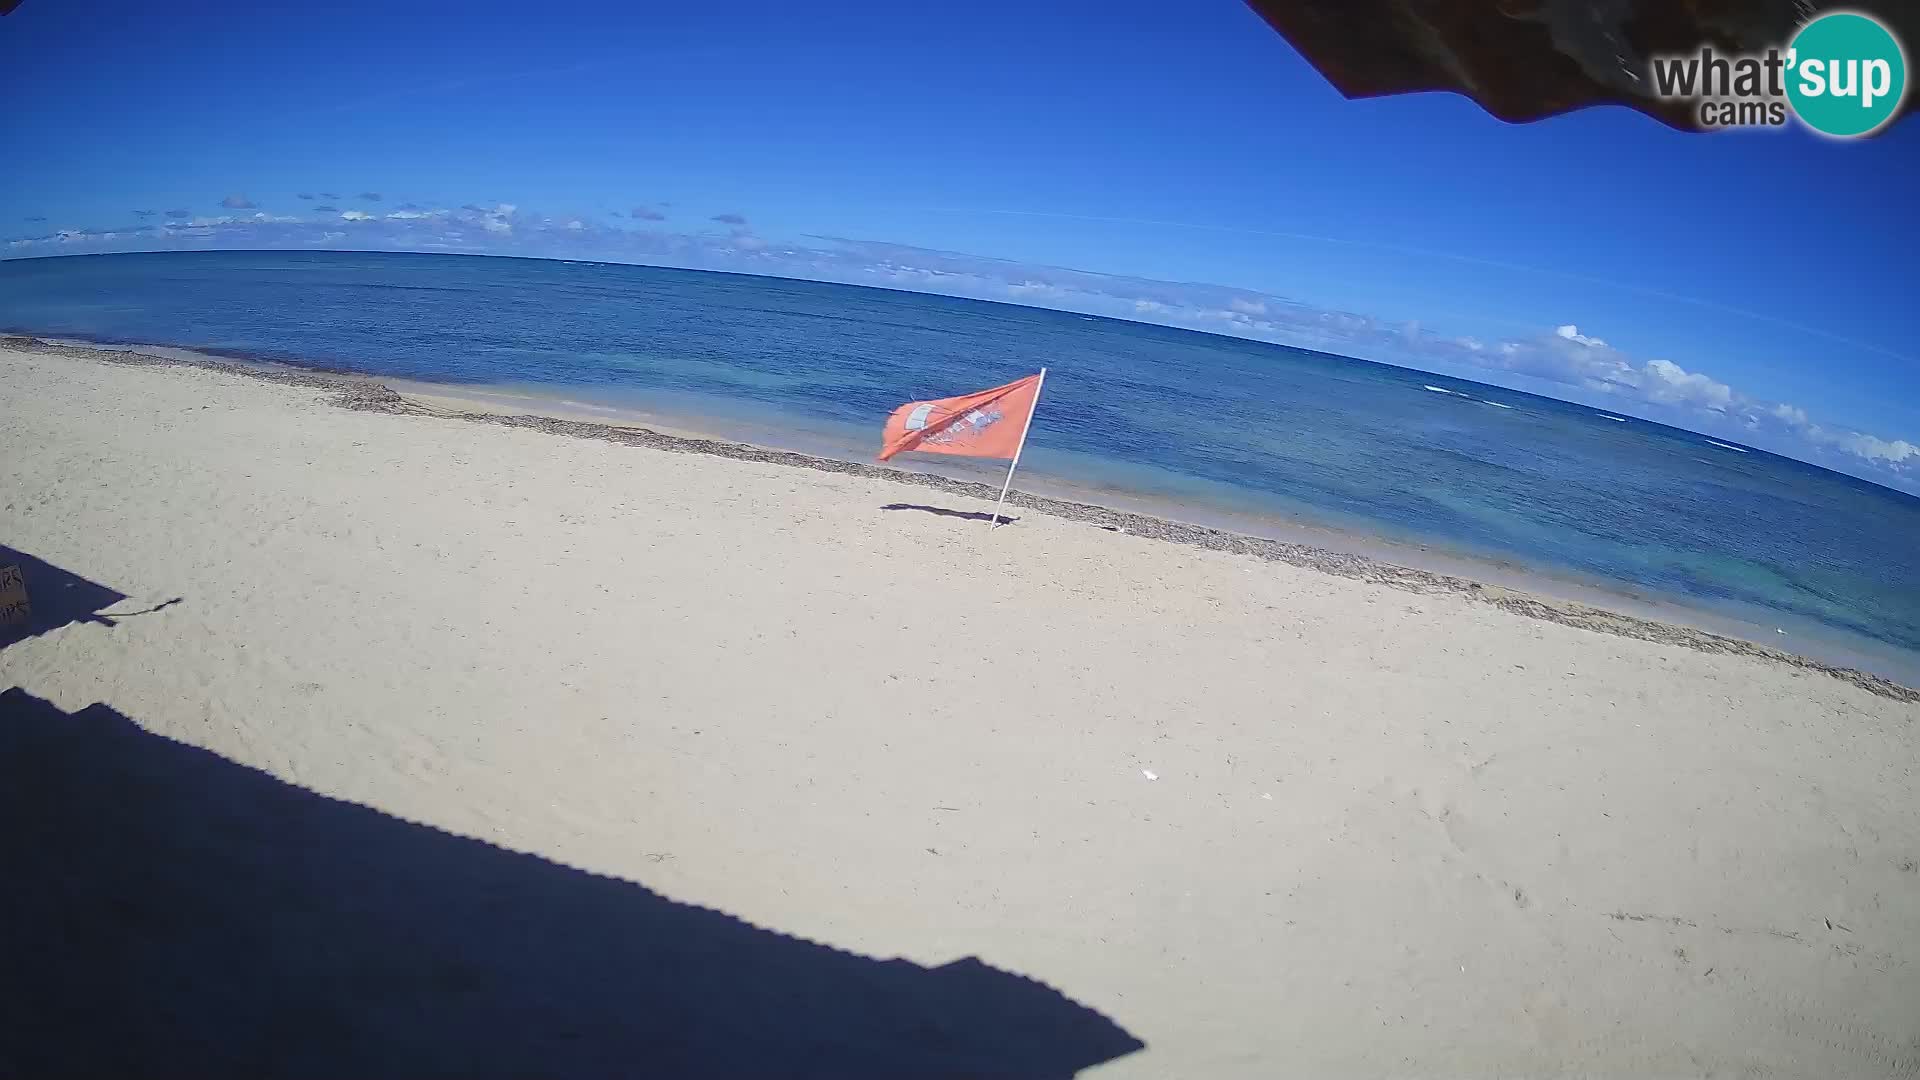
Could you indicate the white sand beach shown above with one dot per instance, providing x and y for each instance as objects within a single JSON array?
[{"x": 1266, "y": 820}]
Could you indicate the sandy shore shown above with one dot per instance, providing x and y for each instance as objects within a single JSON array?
[{"x": 1267, "y": 810}]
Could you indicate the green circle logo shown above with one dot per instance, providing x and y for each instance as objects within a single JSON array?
[{"x": 1846, "y": 74}]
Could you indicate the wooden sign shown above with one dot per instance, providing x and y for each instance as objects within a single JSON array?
[{"x": 13, "y": 597}]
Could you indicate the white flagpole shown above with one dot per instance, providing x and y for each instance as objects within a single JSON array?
[{"x": 1028, "y": 426}]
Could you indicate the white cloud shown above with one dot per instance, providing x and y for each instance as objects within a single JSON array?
[
  {"x": 1792, "y": 415},
  {"x": 355, "y": 215},
  {"x": 1583, "y": 362},
  {"x": 1574, "y": 359},
  {"x": 499, "y": 220},
  {"x": 1572, "y": 333},
  {"x": 1866, "y": 446},
  {"x": 1248, "y": 307},
  {"x": 1669, "y": 384},
  {"x": 1029, "y": 288}
]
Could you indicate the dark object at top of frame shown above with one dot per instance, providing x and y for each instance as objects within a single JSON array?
[{"x": 1525, "y": 60}]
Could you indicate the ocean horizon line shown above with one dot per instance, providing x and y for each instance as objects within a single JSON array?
[{"x": 1625, "y": 412}]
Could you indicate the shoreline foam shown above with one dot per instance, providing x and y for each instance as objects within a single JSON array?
[{"x": 370, "y": 394}]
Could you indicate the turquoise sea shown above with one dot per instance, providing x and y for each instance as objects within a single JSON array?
[{"x": 1207, "y": 425}]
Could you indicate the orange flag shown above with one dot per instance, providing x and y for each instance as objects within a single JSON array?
[{"x": 986, "y": 424}]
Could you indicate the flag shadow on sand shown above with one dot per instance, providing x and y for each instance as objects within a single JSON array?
[
  {"x": 169, "y": 912},
  {"x": 942, "y": 511}
]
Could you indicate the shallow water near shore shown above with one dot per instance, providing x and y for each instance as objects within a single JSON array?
[{"x": 1413, "y": 467}]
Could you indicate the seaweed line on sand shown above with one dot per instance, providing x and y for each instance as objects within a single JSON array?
[{"x": 368, "y": 395}]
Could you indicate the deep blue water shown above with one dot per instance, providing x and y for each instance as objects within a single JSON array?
[{"x": 1245, "y": 425}]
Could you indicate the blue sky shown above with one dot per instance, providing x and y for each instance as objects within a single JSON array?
[{"x": 1174, "y": 163}]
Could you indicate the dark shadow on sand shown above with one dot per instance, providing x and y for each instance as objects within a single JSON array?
[
  {"x": 55, "y": 597},
  {"x": 941, "y": 511},
  {"x": 167, "y": 912}
]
